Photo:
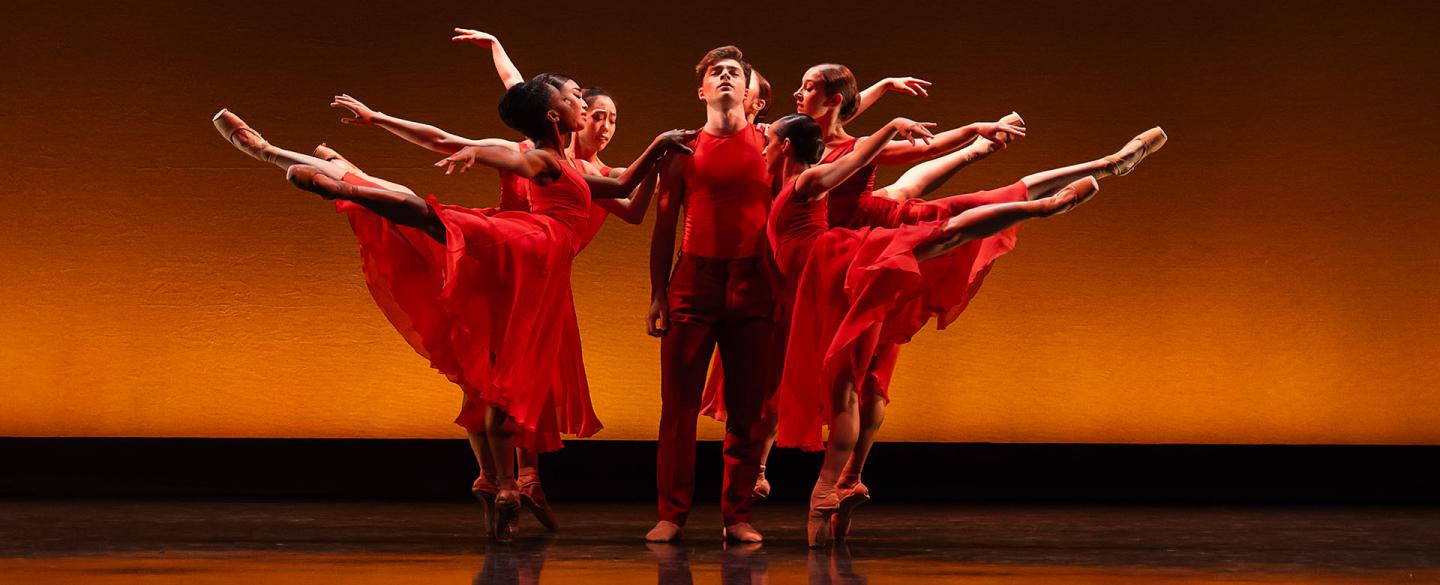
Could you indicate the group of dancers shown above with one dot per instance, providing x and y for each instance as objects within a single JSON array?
[{"x": 803, "y": 274}]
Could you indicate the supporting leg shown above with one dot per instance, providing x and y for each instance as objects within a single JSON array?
[{"x": 500, "y": 438}]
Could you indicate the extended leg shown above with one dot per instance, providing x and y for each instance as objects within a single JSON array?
[
  {"x": 329, "y": 154},
  {"x": 247, "y": 140},
  {"x": 989, "y": 220},
  {"x": 1045, "y": 183}
]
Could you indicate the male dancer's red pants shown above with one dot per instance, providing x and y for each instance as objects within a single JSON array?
[{"x": 729, "y": 304}]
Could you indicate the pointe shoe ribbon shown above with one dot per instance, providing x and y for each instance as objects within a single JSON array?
[
  {"x": 1125, "y": 161},
  {"x": 850, "y": 498}
]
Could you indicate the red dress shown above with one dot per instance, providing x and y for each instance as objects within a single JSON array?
[
  {"x": 491, "y": 308},
  {"x": 855, "y": 291}
]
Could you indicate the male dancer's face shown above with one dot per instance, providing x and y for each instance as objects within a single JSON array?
[{"x": 724, "y": 84}]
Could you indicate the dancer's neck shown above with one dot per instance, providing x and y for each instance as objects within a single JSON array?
[{"x": 725, "y": 120}]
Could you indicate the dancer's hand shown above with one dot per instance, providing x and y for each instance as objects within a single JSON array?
[
  {"x": 465, "y": 35},
  {"x": 676, "y": 141},
  {"x": 657, "y": 322},
  {"x": 912, "y": 130},
  {"x": 999, "y": 132},
  {"x": 465, "y": 158},
  {"x": 906, "y": 85},
  {"x": 363, "y": 115}
]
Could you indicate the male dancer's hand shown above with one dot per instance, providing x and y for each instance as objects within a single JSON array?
[
  {"x": 363, "y": 115},
  {"x": 657, "y": 322}
]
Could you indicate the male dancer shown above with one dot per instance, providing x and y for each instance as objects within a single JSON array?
[{"x": 718, "y": 295}]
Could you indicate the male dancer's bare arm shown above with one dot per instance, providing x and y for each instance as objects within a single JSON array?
[
  {"x": 821, "y": 178},
  {"x": 670, "y": 192},
  {"x": 905, "y": 85},
  {"x": 624, "y": 185},
  {"x": 901, "y": 152},
  {"x": 509, "y": 74},
  {"x": 423, "y": 135}
]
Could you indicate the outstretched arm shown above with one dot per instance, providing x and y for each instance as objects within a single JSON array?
[
  {"x": 824, "y": 177},
  {"x": 424, "y": 135},
  {"x": 509, "y": 75},
  {"x": 622, "y": 186},
  {"x": 901, "y": 152},
  {"x": 671, "y": 192},
  {"x": 905, "y": 85},
  {"x": 537, "y": 165}
]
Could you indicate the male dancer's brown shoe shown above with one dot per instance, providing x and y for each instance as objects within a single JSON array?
[
  {"x": 1149, "y": 141},
  {"x": 664, "y": 531},
  {"x": 533, "y": 498},
  {"x": 850, "y": 498},
  {"x": 741, "y": 532},
  {"x": 241, "y": 135}
]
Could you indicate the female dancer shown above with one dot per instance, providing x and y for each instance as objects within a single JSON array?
[
  {"x": 871, "y": 285},
  {"x": 526, "y": 392}
]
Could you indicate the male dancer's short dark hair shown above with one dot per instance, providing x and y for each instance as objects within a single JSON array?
[{"x": 720, "y": 54}]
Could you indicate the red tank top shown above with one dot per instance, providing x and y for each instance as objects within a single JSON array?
[
  {"x": 845, "y": 197},
  {"x": 727, "y": 195},
  {"x": 566, "y": 200},
  {"x": 598, "y": 215},
  {"x": 792, "y": 227}
]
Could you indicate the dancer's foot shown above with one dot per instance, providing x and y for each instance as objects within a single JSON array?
[
  {"x": 241, "y": 135},
  {"x": 533, "y": 498},
  {"x": 664, "y": 531},
  {"x": 507, "y": 515},
  {"x": 818, "y": 524},
  {"x": 485, "y": 491},
  {"x": 850, "y": 497},
  {"x": 742, "y": 532},
  {"x": 762, "y": 485},
  {"x": 1124, "y": 161},
  {"x": 313, "y": 180},
  {"x": 324, "y": 152},
  {"x": 1069, "y": 196},
  {"x": 982, "y": 147}
]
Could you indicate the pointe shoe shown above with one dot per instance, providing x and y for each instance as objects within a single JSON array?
[
  {"x": 1070, "y": 195},
  {"x": 533, "y": 498},
  {"x": 664, "y": 531},
  {"x": 324, "y": 152},
  {"x": 819, "y": 529},
  {"x": 241, "y": 135},
  {"x": 983, "y": 146},
  {"x": 485, "y": 491},
  {"x": 507, "y": 515},
  {"x": 311, "y": 179},
  {"x": 741, "y": 532},
  {"x": 850, "y": 498},
  {"x": 1149, "y": 141},
  {"x": 762, "y": 485}
]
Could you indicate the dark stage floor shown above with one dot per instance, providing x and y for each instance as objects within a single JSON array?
[{"x": 93, "y": 542}]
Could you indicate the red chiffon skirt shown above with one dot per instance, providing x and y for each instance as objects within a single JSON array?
[
  {"x": 859, "y": 291},
  {"x": 491, "y": 309}
]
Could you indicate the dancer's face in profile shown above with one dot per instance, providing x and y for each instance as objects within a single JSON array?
[
  {"x": 599, "y": 125},
  {"x": 724, "y": 83},
  {"x": 776, "y": 149},
  {"x": 810, "y": 99},
  {"x": 570, "y": 107}
]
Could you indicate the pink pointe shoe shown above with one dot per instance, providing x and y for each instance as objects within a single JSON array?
[
  {"x": 485, "y": 491},
  {"x": 1147, "y": 143},
  {"x": 850, "y": 498},
  {"x": 507, "y": 515},
  {"x": 762, "y": 485},
  {"x": 1070, "y": 196},
  {"x": 241, "y": 135},
  {"x": 533, "y": 498},
  {"x": 819, "y": 530}
]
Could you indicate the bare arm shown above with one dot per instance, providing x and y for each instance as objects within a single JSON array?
[
  {"x": 537, "y": 165},
  {"x": 632, "y": 209},
  {"x": 423, "y": 135},
  {"x": 926, "y": 177},
  {"x": 824, "y": 177},
  {"x": 621, "y": 187},
  {"x": 901, "y": 152},
  {"x": 905, "y": 85},
  {"x": 671, "y": 193},
  {"x": 509, "y": 75}
]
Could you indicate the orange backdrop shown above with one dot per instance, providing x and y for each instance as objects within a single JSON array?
[{"x": 1270, "y": 277}]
